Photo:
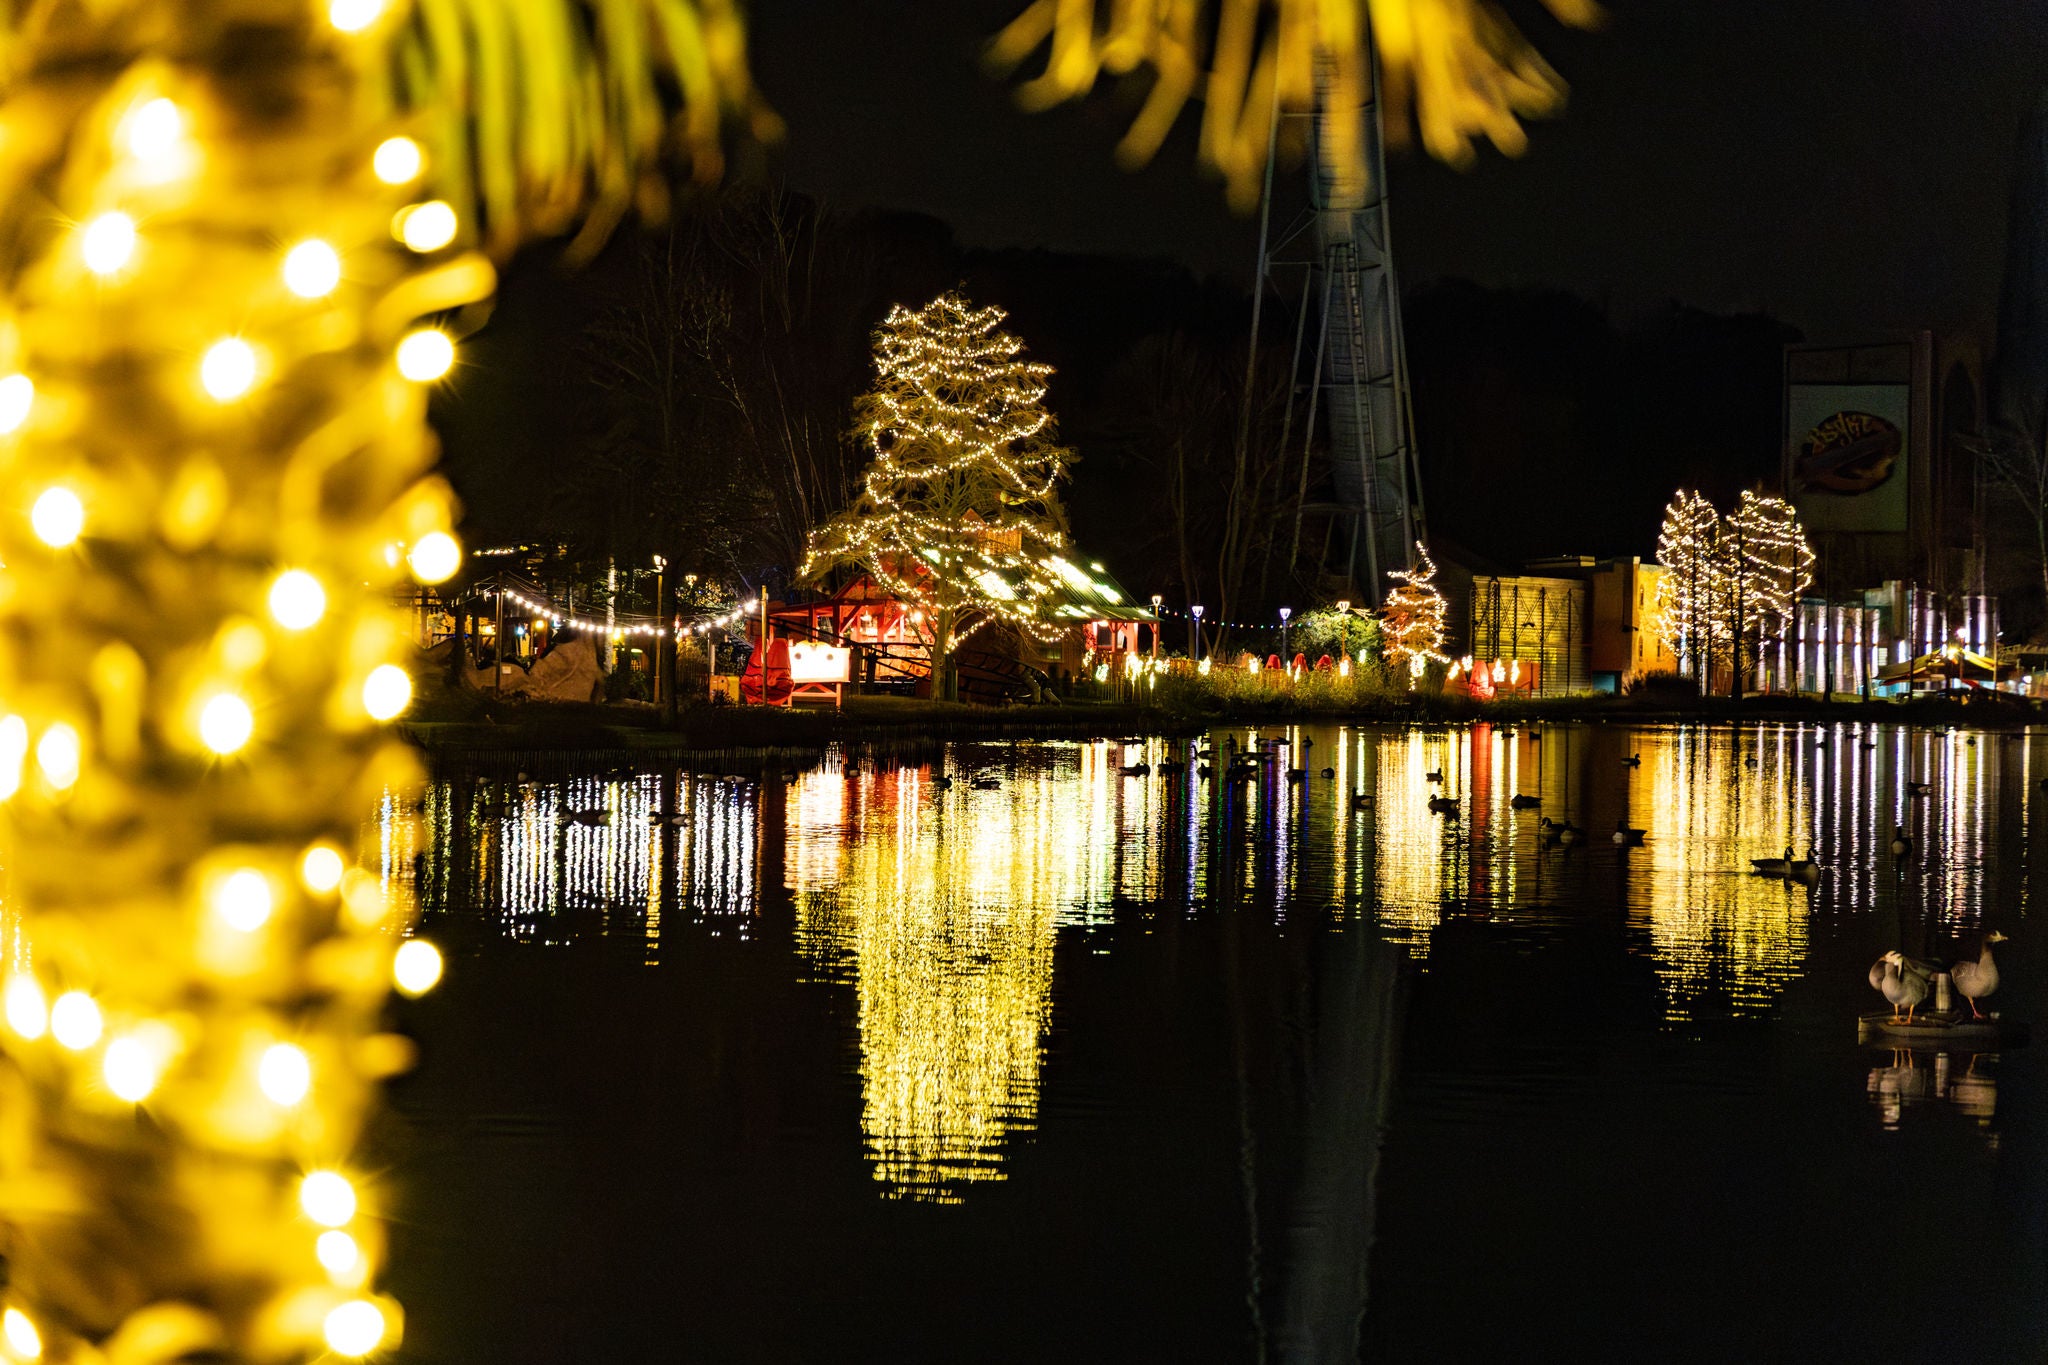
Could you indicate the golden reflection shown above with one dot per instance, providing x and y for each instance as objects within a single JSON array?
[
  {"x": 1719, "y": 934},
  {"x": 1966, "y": 1083},
  {"x": 943, "y": 911}
]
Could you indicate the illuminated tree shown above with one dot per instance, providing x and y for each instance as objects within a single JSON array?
[
  {"x": 1690, "y": 613},
  {"x": 231, "y": 226},
  {"x": 958, "y": 512},
  {"x": 1412, "y": 622},
  {"x": 1460, "y": 64},
  {"x": 1770, "y": 564}
]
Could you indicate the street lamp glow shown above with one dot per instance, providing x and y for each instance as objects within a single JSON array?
[
  {"x": 27, "y": 1013},
  {"x": 23, "y": 1340},
  {"x": 58, "y": 755},
  {"x": 337, "y": 1251},
  {"x": 398, "y": 161},
  {"x": 228, "y": 369},
  {"x": 107, "y": 243},
  {"x": 312, "y": 269},
  {"x": 58, "y": 517},
  {"x": 152, "y": 131},
  {"x": 353, "y": 16}
]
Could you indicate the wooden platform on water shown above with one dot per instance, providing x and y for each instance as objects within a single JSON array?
[{"x": 1940, "y": 1029}]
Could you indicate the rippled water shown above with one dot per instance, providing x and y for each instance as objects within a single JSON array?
[{"x": 876, "y": 1061}]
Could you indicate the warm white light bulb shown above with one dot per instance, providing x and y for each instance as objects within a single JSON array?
[
  {"x": 225, "y": 723},
  {"x": 58, "y": 755},
  {"x": 355, "y": 1328},
  {"x": 228, "y": 369},
  {"x": 58, "y": 517},
  {"x": 312, "y": 269},
  {"x": 337, "y": 1251},
  {"x": 321, "y": 869},
  {"x": 243, "y": 900},
  {"x": 435, "y": 556},
  {"x": 386, "y": 691},
  {"x": 27, "y": 1014},
  {"x": 398, "y": 161},
  {"x": 21, "y": 1337},
  {"x": 285, "y": 1074},
  {"x": 152, "y": 131},
  {"x": 327, "y": 1198},
  {"x": 353, "y": 16},
  {"x": 417, "y": 967},
  {"x": 17, "y": 396},
  {"x": 425, "y": 355},
  {"x": 23, "y": 1340},
  {"x": 107, "y": 243},
  {"x": 75, "y": 1021},
  {"x": 130, "y": 1069},
  {"x": 297, "y": 601},
  {"x": 427, "y": 227}
]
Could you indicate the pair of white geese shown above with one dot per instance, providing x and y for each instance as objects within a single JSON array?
[{"x": 1905, "y": 980}]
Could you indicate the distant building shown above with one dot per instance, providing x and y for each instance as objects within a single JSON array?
[{"x": 1570, "y": 624}]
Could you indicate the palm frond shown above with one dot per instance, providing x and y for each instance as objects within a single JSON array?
[
  {"x": 542, "y": 115},
  {"x": 1460, "y": 66}
]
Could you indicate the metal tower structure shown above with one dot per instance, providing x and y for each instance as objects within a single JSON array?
[
  {"x": 1365, "y": 367},
  {"x": 1360, "y": 371}
]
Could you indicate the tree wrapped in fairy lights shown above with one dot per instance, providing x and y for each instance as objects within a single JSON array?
[
  {"x": 959, "y": 511},
  {"x": 245, "y": 238},
  {"x": 1412, "y": 622},
  {"x": 1730, "y": 584},
  {"x": 1689, "y": 614},
  {"x": 1770, "y": 564}
]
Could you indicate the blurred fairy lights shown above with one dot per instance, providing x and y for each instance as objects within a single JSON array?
[{"x": 214, "y": 369}]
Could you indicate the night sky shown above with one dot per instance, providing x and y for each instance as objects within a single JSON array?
[{"x": 1843, "y": 164}]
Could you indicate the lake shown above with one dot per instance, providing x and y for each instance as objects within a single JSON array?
[{"x": 870, "y": 1060}]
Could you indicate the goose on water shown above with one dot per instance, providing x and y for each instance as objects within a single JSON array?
[
  {"x": 943, "y": 782},
  {"x": 1552, "y": 832},
  {"x": 1135, "y": 770},
  {"x": 1297, "y": 774},
  {"x": 1436, "y": 776},
  {"x": 1443, "y": 805},
  {"x": 1805, "y": 869},
  {"x": 1632, "y": 761},
  {"x": 1919, "y": 788},
  {"x": 1569, "y": 834},
  {"x": 1521, "y": 801},
  {"x": 1773, "y": 867},
  {"x": 1902, "y": 987},
  {"x": 1624, "y": 837},
  {"x": 1902, "y": 843},
  {"x": 1329, "y": 772},
  {"x": 1975, "y": 980},
  {"x": 1360, "y": 801},
  {"x": 985, "y": 784}
]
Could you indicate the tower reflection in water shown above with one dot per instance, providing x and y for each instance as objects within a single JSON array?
[{"x": 939, "y": 906}]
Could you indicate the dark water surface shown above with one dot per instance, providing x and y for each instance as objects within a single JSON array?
[{"x": 1093, "y": 1067}]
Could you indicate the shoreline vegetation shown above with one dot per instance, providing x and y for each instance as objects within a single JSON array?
[{"x": 443, "y": 720}]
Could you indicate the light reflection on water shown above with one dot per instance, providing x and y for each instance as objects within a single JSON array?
[{"x": 939, "y": 906}]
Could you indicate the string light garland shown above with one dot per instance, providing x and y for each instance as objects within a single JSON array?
[
  {"x": 958, "y": 512},
  {"x": 1773, "y": 563},
  {"x": 198, "y": 404},
  {"x": 1412, "y": 622}
]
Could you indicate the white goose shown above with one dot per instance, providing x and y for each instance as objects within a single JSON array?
[
  {"x": 1974, "y": 980},
  {"x": 1904, "y": 989}
]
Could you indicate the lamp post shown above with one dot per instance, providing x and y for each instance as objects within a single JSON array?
[
  {"x": 1157, "y": 602},
  {"x": 1344, "y": 611},
  {"x": 1195, "y": 632},
  {"x": 1285, "y": 661}
]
